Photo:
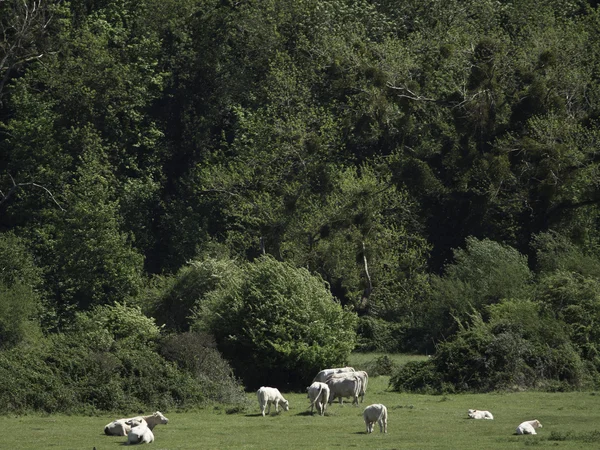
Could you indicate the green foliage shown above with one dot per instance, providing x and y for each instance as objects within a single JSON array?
[
  {"x": 125, "y": 324},
  {"x": 20, "y": 309},
  {"x": 483, "y": 273},
  {"x": 171, "y": 299},
  {"x": 521, "y": 347},
  {"x": 196, "y": 353},
  {"x": 575, "y": 300},
  {"x": 555, "y": 252},
  {"x": 380, "y": 335},
  {"x": 417, "y": 376},
  {"x": 94, "y": 259},
  {"x": 368, "y": 142},
  {"x": 20, "y": 299},
  {"x": 108, "y": 362},
  {"x": 277, "y": 324}
]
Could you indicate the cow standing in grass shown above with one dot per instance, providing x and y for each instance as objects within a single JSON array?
[
  {"x": 375, "y": 413},
  {"x": 340, "y": 387},
  {"x": 318, "y": 393}
]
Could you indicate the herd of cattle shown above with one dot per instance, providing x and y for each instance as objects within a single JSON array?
[{"x": 328, "y": 385}]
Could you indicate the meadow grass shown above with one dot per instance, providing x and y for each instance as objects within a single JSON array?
[{"x": 570, "y": 421}]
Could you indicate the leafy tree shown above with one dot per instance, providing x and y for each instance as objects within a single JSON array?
[
  {"x": 94, "y": 262},
  {"x": 277, "y": 324},
  {"x": 483, "y": 273}
]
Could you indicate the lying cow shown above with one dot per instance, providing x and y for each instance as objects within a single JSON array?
[
  {"x": 340, "y": 387},
  {"x": 140, "y": 432},
  {"x": 478, "y": 414},
  {"x": 323, "y": 374},
  {"x": 267, "y": 396},
  {"x": 117, "y": 427},
  {"x": 529, "y": 427},
  {"x": 375, "y": 413},
  {"x": 318, "y": 393},
  {"x": 121, "y": 427}
]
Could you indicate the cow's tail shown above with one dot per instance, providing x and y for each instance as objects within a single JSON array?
[
  {"x": 358, "y": 385},
  {"x": 382, "y": 416},
  {"x": 312, "y": 403}
]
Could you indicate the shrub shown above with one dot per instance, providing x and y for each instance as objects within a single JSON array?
[
  {"x": 172, "y": 299},
  {"x": 277, "y": 324},
  {"x": 107, "y": 362},
  {"x": 417, "y": 376},
  {"x": 383, "y": 365},
  {"x": 196, "y": 354}
]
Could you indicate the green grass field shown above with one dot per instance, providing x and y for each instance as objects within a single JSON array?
[{"x": 570, "y": 421}]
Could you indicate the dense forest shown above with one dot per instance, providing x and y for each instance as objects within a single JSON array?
[{"x": 190, "y": 189}]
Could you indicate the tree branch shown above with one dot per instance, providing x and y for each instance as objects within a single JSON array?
[{"x": 16, "y": 186}]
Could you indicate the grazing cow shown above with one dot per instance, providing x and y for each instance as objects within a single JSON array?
[
  {"x": 477, "y": 414},
  {"x": 323, "y": 374},
  {"x": 268, "y": 395},
  {"x": 121, "y": 427},
  {"x": 349, "y": 386},
  {"x": 375, "y": 413},
  {"x": 140, "y": 432},
  {"x": 318, "y": 393},
  {"x": 529, "y": 427}
]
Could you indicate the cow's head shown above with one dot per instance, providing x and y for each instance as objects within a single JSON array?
[{"x": 161, "y": 417}]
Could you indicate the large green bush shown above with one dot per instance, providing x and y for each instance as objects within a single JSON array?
[
  {"x": 278, "y": 324},
  {"x": 482, "y": 273},
  {"x": 171, "y": 299},
  {"x": 109, "y": 361},
  {"x": 521, "y": 346}
]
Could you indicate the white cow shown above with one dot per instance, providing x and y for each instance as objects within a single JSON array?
[
  {"x": 349, "y": 386},
  {"x": 364, "y": 379},
  {"x": 318, "y": 393},
  {"x": 140, "y": 432},
  {"x": 267, "y": 396},
  {"x": 323, "y": 374},
  {"x": 121, "y": 427},
  {"x": 529, "y": 427},
  {"x": 478, "y": 414},
  {"x": 117, "y": 427},
  {"x": 375, "y": 413}
]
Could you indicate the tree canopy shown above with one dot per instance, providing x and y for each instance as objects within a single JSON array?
[{"x": 427, "y": 161}]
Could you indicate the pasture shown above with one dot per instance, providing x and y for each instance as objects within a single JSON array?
[{"x": 570, "y": 421}]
